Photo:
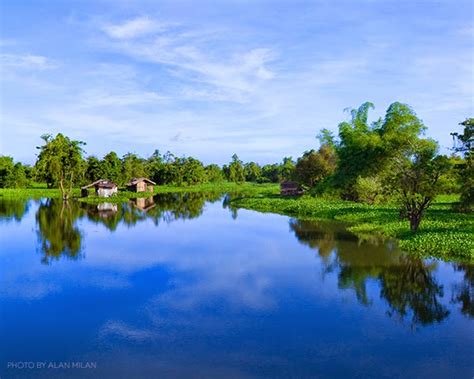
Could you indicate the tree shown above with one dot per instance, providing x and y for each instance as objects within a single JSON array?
[
  {"x": 314, "y": 166},
  {"x": 191, "y": 171},
  {"x": 369, "y": 189},
  {"x": 235, "y": 170},
  {"x": 60, "y": 163},
  {"x": 214, "y": 173},
  {"x": 253, "y": 172},
  {"x": 287, "y": 168},
  {"x": 466, "y": 148},
  {"x": 111, "y": 167},
  {"x": 367, "y": 149},
  {"x": 132, "y": 167},
  {"x": 94, "y": 169},
  {"x": 12, "y": 175},
  {"x": 271, "y": 173},
  {"x": 417, "y": 180}
]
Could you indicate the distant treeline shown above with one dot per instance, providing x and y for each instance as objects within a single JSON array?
[{"x": 367, "y": 162}]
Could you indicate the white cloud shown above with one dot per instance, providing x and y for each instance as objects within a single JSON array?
[
  {"x": 133, "y": 28},
  {"x": 194, "y": 57},
  {"x": 26, "y": 62}
]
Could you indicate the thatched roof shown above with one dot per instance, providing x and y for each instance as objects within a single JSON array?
[
  {"x": 289, "y": 185},
  {"x": 101, "y": 183},
  {"x": 135, "y": 181}
]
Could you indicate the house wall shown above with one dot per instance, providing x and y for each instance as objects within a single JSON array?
[{"x": 106, "y": 192}]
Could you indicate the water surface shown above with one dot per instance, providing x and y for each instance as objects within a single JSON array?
[{"x": 185, "y": 286}]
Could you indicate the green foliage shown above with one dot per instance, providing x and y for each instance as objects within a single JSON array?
[
  {"x": 313, "y": 167},
  {"x": 132, "y": 167},
  {"x": 12, "y": 175},
  {"x": 466, "y": 147},
  {"x": 60, "y": 163},
  {"x": 417, "y": 180},
  {"x": 94, "y": 170},
  {"x": 235, "y": 171},
  {"x": 369, "y": 149},
  {"x": 214, "y": 173},
  {"x": 369, "y": 189},
  {"x": 111, "y": 168},
  {"x": 287, "y": 168},
  {"x": 253, "y": 172}
]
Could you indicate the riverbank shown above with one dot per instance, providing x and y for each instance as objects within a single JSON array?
[
  {"x": 443, "y": 232},
  {"x": 39, "y": 191}
]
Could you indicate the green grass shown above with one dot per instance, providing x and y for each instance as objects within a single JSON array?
[
  {"x": 39, "y": 190},
  {"x": 443, "y": 233}
]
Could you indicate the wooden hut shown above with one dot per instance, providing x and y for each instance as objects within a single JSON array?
[
  {"x": 140, "y": 185},
  {"x": 290, "y": 189},
  {"x": 103, "y": 188}
]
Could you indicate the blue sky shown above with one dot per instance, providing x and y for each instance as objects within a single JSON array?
[{"x": 210, "y": 78}]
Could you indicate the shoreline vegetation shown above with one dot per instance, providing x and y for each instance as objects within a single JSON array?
[
  {"x": 384, "y": 178},
  {"x": 443, "y": 233}
]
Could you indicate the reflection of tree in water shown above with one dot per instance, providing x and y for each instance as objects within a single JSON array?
[
  {"x": 163, "y": 207},
  {"x": 463, "y": 293},
  {"x": 180, "y": 206},
  {"x": 57, "y": 231},
  {"x": 12, "y": 209},
  {"x": 411, "y": 288},
  {"x": 407, "y": 284}
]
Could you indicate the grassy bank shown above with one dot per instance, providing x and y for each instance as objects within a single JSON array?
[
  {"x": 443, "y": 233},
  {"x": 40, "y": 191}
]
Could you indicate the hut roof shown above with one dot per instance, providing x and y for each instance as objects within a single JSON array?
[
  {"x": 101, "y": 183},
  {"x": 138, "y": 180},
  {"x": 289, "y": 185}
]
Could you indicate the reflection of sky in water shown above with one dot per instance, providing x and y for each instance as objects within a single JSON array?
[{"x": 214, "y": 296}]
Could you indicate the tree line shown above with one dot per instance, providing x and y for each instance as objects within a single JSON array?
[{"x": 371, "y": 162}]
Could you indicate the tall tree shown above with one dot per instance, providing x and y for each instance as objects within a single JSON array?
[
  {"x": 60, "y": 162},
  {"x": 465, "y": 145},
  {"x": 315, "y": 166},
  {"x": 369, "y": 149},
  {"x": 12, "y": 175},
  {"x": 417, "y": 180},
  {"x": 235, "y": 170},
  {"x": 112, "y": 167},
  {"x": 94, "y": 169}
]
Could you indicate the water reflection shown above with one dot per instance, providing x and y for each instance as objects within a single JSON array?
[
  {"x": 13, "y": 209},
  {"x": 58, "y": 233},
  {"x": 464, "y": 291},
  {"x": 406, "y": 283}
]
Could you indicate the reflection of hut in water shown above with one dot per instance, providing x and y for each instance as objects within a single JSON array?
[
  {"x": 144, "y": 203},
  {"x": 140, "y": 185},
  {"x": 107, "y": 209},
  {"x": 103, "y": 188},
  {"x": 290, "y": 189}
]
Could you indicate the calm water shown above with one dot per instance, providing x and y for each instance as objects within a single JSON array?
[{"x": 184, "y": 286}]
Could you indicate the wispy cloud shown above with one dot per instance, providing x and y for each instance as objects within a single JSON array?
[
  {"x": 133, "y": 28},
  {"x": 191, "y": 56},
  {"x": 26, "y": 62}
]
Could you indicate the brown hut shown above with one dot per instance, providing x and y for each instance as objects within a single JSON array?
[
  {"x": 140, "y": 185},
  {"x": 290, "y": 189},
  {"x": 103, "y": 188}
]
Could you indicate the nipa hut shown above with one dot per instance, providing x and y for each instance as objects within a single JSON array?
[
  {"x": 290, "y": 189},
  {"x": 140, "y": 185},
  {"x": 103, "y": 188}
]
